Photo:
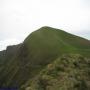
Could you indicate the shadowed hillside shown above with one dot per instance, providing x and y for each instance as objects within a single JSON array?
[{"x": 24, "y": 62}]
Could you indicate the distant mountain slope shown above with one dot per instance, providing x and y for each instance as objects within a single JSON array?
[
  {"x": 52, "y": 34},
  {"x": 57, "y": 40},
  {"x": 40, "y": 48}
]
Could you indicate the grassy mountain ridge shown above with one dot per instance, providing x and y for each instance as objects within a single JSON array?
[
  {"x": 40, "y": 48},
  {"x": 57, "y": 39}
]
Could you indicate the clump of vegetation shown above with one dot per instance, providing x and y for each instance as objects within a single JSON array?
[{"x": 70, "y": 72}]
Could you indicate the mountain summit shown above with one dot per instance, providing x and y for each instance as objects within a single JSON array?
[{"x": 43, "y": 53}]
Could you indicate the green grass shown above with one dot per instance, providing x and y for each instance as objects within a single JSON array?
[
  {"x": 49, "y": 40},
  {"x": 39, "y": 49}
]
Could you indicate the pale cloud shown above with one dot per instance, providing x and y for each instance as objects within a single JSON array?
[
  {"x": 18, "y": 18},
  {"x": 7, "y": 42}
]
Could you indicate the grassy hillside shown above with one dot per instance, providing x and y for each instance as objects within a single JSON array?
[
  {"x": 50, "y": 39},
  {"x": 40, "y": 48}
]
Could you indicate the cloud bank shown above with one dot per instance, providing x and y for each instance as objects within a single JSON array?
[{"x": 18, "y": 18}]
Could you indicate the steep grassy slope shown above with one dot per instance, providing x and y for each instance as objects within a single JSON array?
[
  {"x": 56, "y": 40},
  {"x": 38, "y": 50}
]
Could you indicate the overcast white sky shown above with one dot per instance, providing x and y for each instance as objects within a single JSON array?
[{"x": 18, "y": 18}]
